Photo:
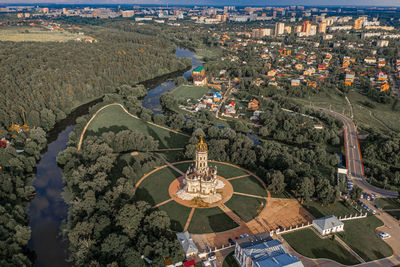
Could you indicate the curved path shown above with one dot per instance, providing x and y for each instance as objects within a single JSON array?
[
  {"x": 127, "y": 112},
  {"x": 353, "y": 156}
]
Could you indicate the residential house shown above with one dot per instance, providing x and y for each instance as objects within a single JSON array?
[
  {"x": 230, "y": 108},
  {"x": 322, "y": 66},
  {"x": 262, "y": 251},
  {"x": 200, "y": 70},
  {"x": 271, "y": 73},
  {"x": 253, "y": 105},
  {"x": 349, "y": 78},
  {"x": 328, "y": 225},
  {"x": 217, "y": 96},
  {"x": 199, "y": 80},
  {"x": 189, "y": 247},
  {"x": 370, "y": 60},
  {"x": 312, "y": 84},
  {"x": 381, "y": 62},
  {"x": 309, "y": 72},
  {"x": 298, "y": 67},
  {"x": 384, "y": 87},
  {"x": 295, "y": 82},
  {"x": 381, "y": 76}
]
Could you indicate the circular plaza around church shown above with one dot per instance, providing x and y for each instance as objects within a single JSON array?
[{"x": 241, "y": 199}]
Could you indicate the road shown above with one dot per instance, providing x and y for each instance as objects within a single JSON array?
[{"x": 354, "y": 159}]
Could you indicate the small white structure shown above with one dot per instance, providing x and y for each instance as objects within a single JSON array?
[
  {"x": 189, "y": 247},
  {"x": 327, "y": 225}
]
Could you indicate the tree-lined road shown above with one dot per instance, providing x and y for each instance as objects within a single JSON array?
[{"x": 353, "y": 157}]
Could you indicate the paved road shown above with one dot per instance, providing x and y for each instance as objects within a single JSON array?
[{"x": 353, "y": 157}]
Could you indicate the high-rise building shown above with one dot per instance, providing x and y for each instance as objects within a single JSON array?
[
  {"x": 313, "y": 30},
  {"x": 288, "y": 29},
  {"x": 322, "y": 27},
  {"x": 260, "y": 33},
  {"x": 358, "y": 23},
  {"x": 306, "y": 27},
  {"x": 127, "y": 13},
  {"x": 279, "y": 28}
]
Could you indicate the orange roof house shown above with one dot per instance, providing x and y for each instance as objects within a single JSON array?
[
  {"x": 312, "y": 84},
  {"x": 384, "y": 87},
  {"x": 253, "y": 105}
]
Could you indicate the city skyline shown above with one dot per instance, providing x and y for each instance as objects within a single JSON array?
[{"x": 215, "y": 2}]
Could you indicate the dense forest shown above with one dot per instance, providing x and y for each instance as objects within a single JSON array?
[
  {"x": 381, "y": 158},
  {"x": 48, "y": 80}
]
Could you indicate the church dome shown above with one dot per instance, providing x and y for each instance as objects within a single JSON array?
[{"x": 201, "y": 146}]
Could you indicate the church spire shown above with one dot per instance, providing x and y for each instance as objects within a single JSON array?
[{"x": 201, "y": 146}]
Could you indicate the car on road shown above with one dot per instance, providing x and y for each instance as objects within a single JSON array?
[
  {"x": 211, "y": 256},
  {"x": 246, "y": 234},
  {"x": 384, "y": 235},
  {"x": 241, "y": 236},
  {"x": 231, "y": 241}
]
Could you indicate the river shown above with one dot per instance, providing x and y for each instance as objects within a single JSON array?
[{"x": 47, "y": 210}]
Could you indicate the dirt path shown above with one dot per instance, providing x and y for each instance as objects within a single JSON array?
[
  {"x": 231, "y": 214},
  {"x": 127, "y": 112}
]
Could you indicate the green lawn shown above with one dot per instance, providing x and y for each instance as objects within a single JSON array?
[
  {"x": 230, "y": 261},
  {"x": 227, "y": 171},
  {"x": 360, "y": 235},
  {"x": 115, "y": 119},
  {"x": 183, "y": 166},
  {"x": 339, "y": 208},
  {"x": 209, "y": 221},
  {"x": 248, "y": 185},
  {"x": 309, "y": 244},
  {"x": 395, "y": 214},
  {"x": 177, "y": 213},
  {"x": 190, "y": 92},
  {"x": 245, "y": 207},
  {"x": 387, "y": 203},
  {"x": 154, "y": 189}
]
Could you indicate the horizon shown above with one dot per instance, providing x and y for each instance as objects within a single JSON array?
[{"x": 215, "y": 3}]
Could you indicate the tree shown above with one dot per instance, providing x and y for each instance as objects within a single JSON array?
[
  {"x": 276, "y": 182},
  {"x": 305, "y": 189},
  {"x": 356, "y": 193}
]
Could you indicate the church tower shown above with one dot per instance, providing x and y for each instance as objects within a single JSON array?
[{"x": 201, "y": 157}]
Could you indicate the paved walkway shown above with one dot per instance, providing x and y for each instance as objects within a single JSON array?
[
  {"x": 358, "y": 257},
  {"x": 162, "y": 203},
  {"x": 231, "y": 214},
  {"x": 189, "y": 219},
  {"x": 238, "y": 177},
  {"x": 249, "y": 195},
  {"x": 127, "y": 112}
]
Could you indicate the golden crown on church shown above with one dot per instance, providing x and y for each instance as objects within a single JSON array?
[{"x": 201, "y": 146}]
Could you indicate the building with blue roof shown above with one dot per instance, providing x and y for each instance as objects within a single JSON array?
[{"x": 262, "y": 251}]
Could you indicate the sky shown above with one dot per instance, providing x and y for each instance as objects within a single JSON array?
[{"x": 222, "y": 2}]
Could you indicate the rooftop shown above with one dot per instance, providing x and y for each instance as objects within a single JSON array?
[{"x": 327, "y": 222}]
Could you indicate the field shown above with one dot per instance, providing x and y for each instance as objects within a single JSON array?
[
  {"x": 245, "y": 207},
  {"x": 248, "y": 185},
  {"x": 361, "y": 237},
  {"x": 228, "y": 171},
  {"x": 390, "y": 205},
  {"x": 209, "y": 221},
  {"x": 154, "y": 189},
  {"x": 113, "y": 118},
  {"x": 189, "y": 92},
  {"x": 339, "y": 208},
  {"x": 230, "y": 261},
  {"x": 177, "y": 213},
  {"x": 378, "y": 118},
  {"x": 35, "y": 34},
  {"x": 308, "y": 243}
]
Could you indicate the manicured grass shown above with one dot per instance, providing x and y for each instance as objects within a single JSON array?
[
  {"x": 309, "y": 244},
  {"x": 154, "y": 189},
  {"x": 190, "y": 92},
  {"x": 183, "y": 166},
  {"x": 230, "y": 261},
  {"x": 360, "y": 235},
  {"x": 245, "y": 207},
  {"x": 209, "y": 221},
  {"x": 339, "y": 208},
  {"x": 35, "y": 34},
  {"x": 177, "y": 213},
  {"x": 395, "y": 214},
  {"x": 227, "y": 171},
  {"x": 387, "y": 203},
  {"x": 248, "y": 185},
  {"x": 114, "y": 119}
]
